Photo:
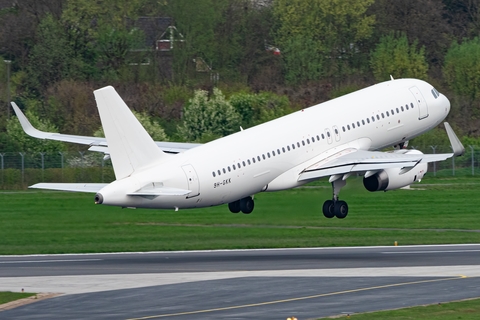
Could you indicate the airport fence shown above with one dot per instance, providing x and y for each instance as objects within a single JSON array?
[{"x": 18, "y": 170}]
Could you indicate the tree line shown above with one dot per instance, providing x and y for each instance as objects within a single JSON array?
[{"x": 264, "y": 59}]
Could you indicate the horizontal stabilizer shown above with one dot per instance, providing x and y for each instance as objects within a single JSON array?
[{"x": 74, "y": 187}]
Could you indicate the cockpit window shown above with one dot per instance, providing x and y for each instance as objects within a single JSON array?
[{"x": 435, "y": 93}]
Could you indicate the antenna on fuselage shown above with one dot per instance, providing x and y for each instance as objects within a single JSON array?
[{"x": 391, "y": 78}]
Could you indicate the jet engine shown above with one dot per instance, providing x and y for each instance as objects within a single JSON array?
[{"x": 395, "y": 178}]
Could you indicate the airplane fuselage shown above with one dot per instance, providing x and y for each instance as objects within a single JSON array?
[{"x": 270, "y": 156}]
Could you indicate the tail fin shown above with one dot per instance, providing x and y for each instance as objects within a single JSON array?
[{"x": 129, "y": 145}]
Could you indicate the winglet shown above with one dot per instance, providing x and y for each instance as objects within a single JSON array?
[
  {"x": 457, "y": 146},
  {"x": 27, "y": 126}
]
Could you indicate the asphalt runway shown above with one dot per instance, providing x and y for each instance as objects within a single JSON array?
[{"x": 241, "y": 284}]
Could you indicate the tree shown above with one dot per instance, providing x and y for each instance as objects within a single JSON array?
[
  {"x": 422, "y": 21},
  {"x": 50, "y": 56},
  {"x": 393, "y": 56},
  {"x": 336, "y": 26},
  {"x": 207, "y": 118},
  {"x": 258, "y": 108},
  {"x": 462, "y": 68},
  {"x": 25, "y": 143}
]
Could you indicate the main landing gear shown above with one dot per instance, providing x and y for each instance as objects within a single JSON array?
[
  {"x": 335, "y": 207},
  {"x": 245, "y": 205}
]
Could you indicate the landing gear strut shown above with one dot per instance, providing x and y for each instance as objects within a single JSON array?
[
  {"x": 335, "y": 207},
  {"x": 245, "y": 205}
]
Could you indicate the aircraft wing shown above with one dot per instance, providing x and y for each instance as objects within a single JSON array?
[
  {"x": 96, "y": 144},
  {"x": 353, "y": 160},
  {"x": 75, "y": 187}
]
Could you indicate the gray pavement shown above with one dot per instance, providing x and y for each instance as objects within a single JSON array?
[{"x": 264, "y": 284}]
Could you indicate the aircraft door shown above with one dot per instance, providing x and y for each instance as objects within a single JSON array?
[
  {"x": 420, "y": 102},
  {"x": 192, "y": 180},
  {"x": 337, "y": 133}
]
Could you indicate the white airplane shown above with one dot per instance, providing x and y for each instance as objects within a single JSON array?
[{"x": 334, "y": 139}]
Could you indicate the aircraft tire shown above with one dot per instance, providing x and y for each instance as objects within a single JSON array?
[
  {"x": 341, "y": 209},
  {"x": 329, "y": 209},
  {"x": 234, "y": 206},
  {"x": 246, "y": 205}
]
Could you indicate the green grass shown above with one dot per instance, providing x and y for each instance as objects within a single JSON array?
[
  {"x": 444, "y": 211},
  {"x": 12, "y": 296},
  {"x": 465, "y": 310}
]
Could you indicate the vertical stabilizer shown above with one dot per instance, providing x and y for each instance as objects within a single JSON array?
[{"x": 130, "y": 146}]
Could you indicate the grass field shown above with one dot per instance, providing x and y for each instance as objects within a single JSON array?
[
  {"x": 12, "y": 296},
  {"x": 465, "y": 310},
  {"x": 437, "y": 211}
]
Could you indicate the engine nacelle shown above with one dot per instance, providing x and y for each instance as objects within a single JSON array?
[{"x": 392, "y": 178}]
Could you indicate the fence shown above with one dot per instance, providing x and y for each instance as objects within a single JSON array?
[{"x": 19, "y": 170}]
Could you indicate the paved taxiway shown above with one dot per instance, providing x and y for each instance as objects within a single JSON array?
[{"x": 264, "y": 284}]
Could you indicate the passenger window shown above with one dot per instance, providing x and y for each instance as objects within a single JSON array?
[
  {"x": 234, "y": 168},
  {"x": 278, "y": 151},
  {"x": 268, "y": 154},
  {"x": 219, "y": 173},
  {"x": 249, "y": 163},
  {"x": 283, "y": 149},
  {"x": 288, "y": 148},
  {"x": 363, "y": 122},
  {"x": 224, "y": 171},
  {"x": 318, "y": 138},
  {"x": 229, "y": 169},
  {"x": 392, "y": 112},
  {"x": 253, "y": 159},
  {"x": 293, "y": 146},
  {"x": 343, "y": 128},
  {"x": 383, "y": 116},
  {"x": 398, "y": 111},
  {"x": 402, "y": 108},
  {"x": 411, "y": 105},
  {"x": 328, "y": 134},
  {"x": 368, "y": 120},
  {"x": 263, "y": 156},
  {"x": 243, "y": 162},
  {"x": 258, "y": 158},
  {"x": 213, "y": 173},
  {"x": 308, "y": 140},
  {"x": 378, "y": 117},
  {"x": 373, "y": 119},
  {"x": 323, "y": 136},
  {"x": 348, "y": 126},
  {"x": 273, "y": 152},
  {"x": 353, "y": 125},
  {"x": 406, "y": 106}
]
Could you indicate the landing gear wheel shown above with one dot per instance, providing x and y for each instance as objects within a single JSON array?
[
  {"x": 247, "y": 205},
  {"x": 329, "y": 209},
  {"x": 341, "y": 209},
  {"x": 234, "y": 207}
]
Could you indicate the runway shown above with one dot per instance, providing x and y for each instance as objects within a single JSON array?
[{"x": 241, "y": 284}]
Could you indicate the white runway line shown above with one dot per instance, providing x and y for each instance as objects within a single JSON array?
[{"x": 98, "y": 283}]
